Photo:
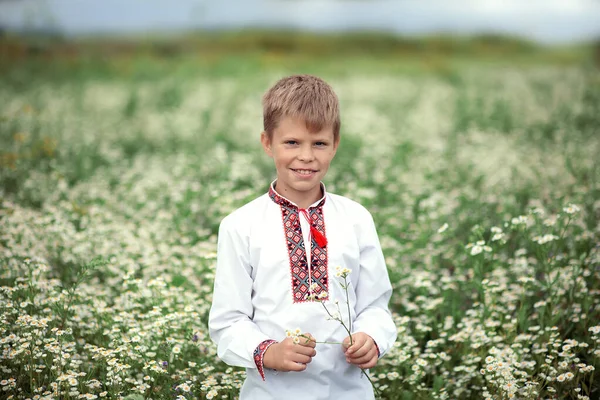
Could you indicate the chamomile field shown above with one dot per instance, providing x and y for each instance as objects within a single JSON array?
[{"x": 482, "y": 175}]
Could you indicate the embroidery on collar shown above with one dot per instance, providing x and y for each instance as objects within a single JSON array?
[{"x": 302, "y": 276}]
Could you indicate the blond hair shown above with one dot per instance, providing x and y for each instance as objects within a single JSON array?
[{"x": 302, "y": 96}]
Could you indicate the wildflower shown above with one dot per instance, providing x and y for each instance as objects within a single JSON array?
[
  {"x": 544, "y": 239},
  {"x": 539, "y": 304},
  {"x": 524, "y": 279},
  {"x": 571, "y": 209},
  {"x": 184, "y": 387},
  {"x": 569, "y": 375},
  {"x": 477, "y": 249},
  {"x": 520, "y": 220},
  {"x": 443, "y": 228},
  {"x": 422, "y": 362},
  {"x": 538, "y": 211},
  {"x": 497, "y": 236},
  {"x": 176, "y": 349},
  {"x": 393, "y": 375},
  {"x": 94, "y": 384},
  {"x": 550, "y": 221},
  {"x": 342, "y": 272},
  {"x": 560, "y": 378},
  {"x": 594, "y": 329}
]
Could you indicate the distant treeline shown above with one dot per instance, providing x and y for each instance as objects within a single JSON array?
[{"x": 14, "y": 47}]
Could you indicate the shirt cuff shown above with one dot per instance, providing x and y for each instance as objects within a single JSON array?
[{"x": 259, "y": 353}]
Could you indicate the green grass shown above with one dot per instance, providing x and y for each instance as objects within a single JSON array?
[{"x": 134, "y": 155}]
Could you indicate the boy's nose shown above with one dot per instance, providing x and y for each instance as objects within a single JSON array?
[{"x": 306, "y": 154}]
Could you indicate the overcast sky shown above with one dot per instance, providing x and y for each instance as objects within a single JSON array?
[{"x": 545, "y": 21}]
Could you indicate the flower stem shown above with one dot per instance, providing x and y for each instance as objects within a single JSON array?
[
  {"x": 377, "y": 393},
  {"x": 348, "y": 306}
]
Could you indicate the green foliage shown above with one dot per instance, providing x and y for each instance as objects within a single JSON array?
[{"x": 482, "y": 180}]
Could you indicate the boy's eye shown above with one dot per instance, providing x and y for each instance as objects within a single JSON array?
[
  {"x": 321, "y": 144},
  {"x": 292, "y": 142}
]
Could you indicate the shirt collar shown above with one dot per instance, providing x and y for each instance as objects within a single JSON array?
[{"x": 281, "y": 200}]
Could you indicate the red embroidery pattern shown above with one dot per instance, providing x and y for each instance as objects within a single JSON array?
[
  {"x": 259, "y": 354},
  {"x": 302, "y": 276}
]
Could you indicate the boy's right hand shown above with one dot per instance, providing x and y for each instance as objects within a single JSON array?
[{"x": 289, "y": 356}]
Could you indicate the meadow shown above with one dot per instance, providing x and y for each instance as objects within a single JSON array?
[{"x": 481, "y": 170}]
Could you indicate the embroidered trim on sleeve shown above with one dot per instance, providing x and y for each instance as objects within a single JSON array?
[{"x": 259, "y": 354}]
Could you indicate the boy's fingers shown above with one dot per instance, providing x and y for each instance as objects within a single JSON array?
[
  {"x": 306, "y": 350},
  {"x": 362, "y": 359},
  {"x": 369, "y": 364},
  {"x": 295, "y": 366},
  {"x": 302, "y": 358},
  {"x": 356, "y": 352},
  {"x": 358, "y": 342},
  {"x": 308, "y": 340}
]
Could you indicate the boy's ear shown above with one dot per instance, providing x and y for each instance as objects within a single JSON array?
[
  {"x": 336, "y": 143},
  {"x": 266, "y": 143}
]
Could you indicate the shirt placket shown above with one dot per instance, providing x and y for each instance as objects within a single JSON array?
[{"x": 304, "y": 215}]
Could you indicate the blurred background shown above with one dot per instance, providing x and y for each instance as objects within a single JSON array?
[{"x": 296, "y": 26}]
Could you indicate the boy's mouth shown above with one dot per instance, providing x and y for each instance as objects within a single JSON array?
[{"x": 304, "y": 171}]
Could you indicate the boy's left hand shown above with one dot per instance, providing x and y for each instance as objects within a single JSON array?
[{"x": 363, "y": 352}]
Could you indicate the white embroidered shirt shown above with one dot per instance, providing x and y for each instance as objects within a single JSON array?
[{"x": 263, "y": 280}]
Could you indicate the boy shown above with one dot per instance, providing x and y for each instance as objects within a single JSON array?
[{"x": 277, "y": 253}]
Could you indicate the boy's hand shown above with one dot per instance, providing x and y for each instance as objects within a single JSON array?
[
  {"x": 363, "y": 351},
  {"x": 289, "y": 356}
]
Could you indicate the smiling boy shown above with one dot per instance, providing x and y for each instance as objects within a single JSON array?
[{"x": 276, "y": 253}]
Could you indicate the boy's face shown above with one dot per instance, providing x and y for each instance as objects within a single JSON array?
[{"x": 301, "y": 159}]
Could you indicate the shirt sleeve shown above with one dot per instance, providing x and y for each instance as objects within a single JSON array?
[
  {"x": 259, "y": 355},
  {"x": 230, "y": 319},
  {"x": 373, "y": 290}
]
